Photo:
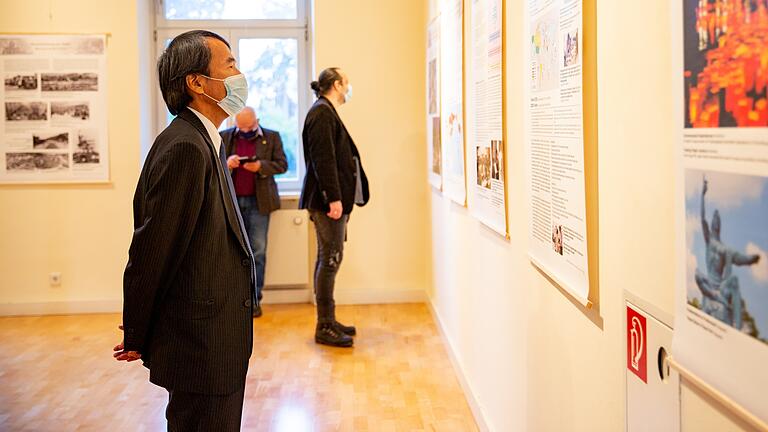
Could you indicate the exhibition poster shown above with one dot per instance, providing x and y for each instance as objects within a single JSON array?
[
  {"x": 721, "y": 74},
  {"x": 486, "y": 155},
  {"x": 452, "y": 100},
  {"x": 434, "y": 148},
  {"x": 555, "y": 144},
  {"x": 54, "y": 103}
]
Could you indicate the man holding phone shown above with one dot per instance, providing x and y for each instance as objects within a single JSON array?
[{"x": 254, "y": 156}]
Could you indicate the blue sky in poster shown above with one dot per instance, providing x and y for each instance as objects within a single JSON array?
[{"x": 742, "y": 201}]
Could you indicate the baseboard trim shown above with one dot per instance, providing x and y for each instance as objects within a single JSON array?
[
  {"x": 61, "y": 308},
  {"x": 271, "y": 296},
  {"x": 287, "y": 296},
  {"x": 362, "y": 296},
  {"x": 474, "y": 404},
  {"x": 345, "y": 296}
]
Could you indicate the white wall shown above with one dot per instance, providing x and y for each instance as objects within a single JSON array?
[{"x": 532, "y": 359}]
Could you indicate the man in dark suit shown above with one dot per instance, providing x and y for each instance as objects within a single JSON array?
[
  {"x": 188, "y": 285},
  {"x": 261, "y": 151},
  {"x": 334, "y": 183}
]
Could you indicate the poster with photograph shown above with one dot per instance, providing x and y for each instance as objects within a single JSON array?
[
  {"x": 487, "y": 197},
  {"x": 452, "y": 100},
  {"x": 721, "y": 317},
  {"x": 555, "y": 144},
  {"x": 54, "y": 103},
  {"x": 434, "y": 145}
]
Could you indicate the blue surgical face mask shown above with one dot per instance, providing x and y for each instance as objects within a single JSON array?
[
  {"x": 237, "y": 93},
  {"x": 249, "y": 134},
  {"x": 348, "y": 95}
]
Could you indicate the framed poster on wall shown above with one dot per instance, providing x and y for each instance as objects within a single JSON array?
[
  {"x": 486, "y": 188},
  {"x": 555, "y": 144},
  {"x": 452, "y": 100},
  {"x": 54, "y": 104},
  {"x": 434, "y": 144},
  {"x": 721, "y": 78}
]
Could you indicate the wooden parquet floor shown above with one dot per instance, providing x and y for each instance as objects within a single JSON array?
[{"x": 57, "y": 374}]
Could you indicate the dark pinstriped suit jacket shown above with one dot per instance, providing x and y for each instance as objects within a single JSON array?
[{"x": 188, "y": 284}]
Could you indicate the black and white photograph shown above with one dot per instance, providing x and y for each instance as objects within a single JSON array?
[
  {"x": 16, "y": 82},
  {"x": 26, "y": 111},
  {"x": 70, "y": 111},
  {"x": 86, "y": 152},
  {"x": 85, "y": 157},
  {"x": 50, "y": 140},
  {"x": 497, "y": 160},
  {"x": 69, "y": 82},
  {"x": 27, "y": 162},
  {"x": 484, "y": 167},
  {"x": 11, "y": 46}
]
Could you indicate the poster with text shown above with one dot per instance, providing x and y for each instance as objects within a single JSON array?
[
  {"x": 434, "y": 145},
  {"x": 721, "y": 317},
  {"x": 452, "y": 100},
  {"x": 54, "y": 103},
  {"x": 555, "y": 144},
  {"x": 486, "y": 184}
]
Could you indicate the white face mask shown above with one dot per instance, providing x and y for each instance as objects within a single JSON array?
[
  {"x": 348, "y": 95},
  {"x": 237, "y": 93}
]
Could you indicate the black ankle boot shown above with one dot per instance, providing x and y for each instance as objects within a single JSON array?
[
  {"x": 347, "y": 330},
  {"x": 328, "y": 334}
]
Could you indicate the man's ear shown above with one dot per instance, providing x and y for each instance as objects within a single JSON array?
[{"x": 193, "y": 84}]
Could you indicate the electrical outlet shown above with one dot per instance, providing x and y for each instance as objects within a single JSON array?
[{"x": 55, "y": 279}]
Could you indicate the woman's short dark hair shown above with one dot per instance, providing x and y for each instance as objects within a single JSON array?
[
  {"x": 188, "y": 53},
  {"x": 325, "y": 81}
]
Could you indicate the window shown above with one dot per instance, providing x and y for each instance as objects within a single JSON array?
[
  {"x": 230, "y": 9},
  {"x": 270, "y": 40},
  {"x": 271, "y": 66}
]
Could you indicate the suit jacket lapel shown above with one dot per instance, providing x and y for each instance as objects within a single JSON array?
[{"x": 228, "y": 200}]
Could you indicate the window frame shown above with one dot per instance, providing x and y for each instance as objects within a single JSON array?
[
  {"x": 301, "y": 21},
  {"x": 233, "y": 31}
]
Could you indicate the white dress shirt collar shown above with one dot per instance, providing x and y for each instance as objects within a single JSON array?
[{"x": 212, "y": 131}]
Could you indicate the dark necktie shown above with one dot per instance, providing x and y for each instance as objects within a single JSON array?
[{"x": 224, "y": 171}]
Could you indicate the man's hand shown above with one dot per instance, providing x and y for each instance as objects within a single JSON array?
[
  {"x": 122, "y": 355},
  {"x": 253, "y": 166},
  {"x": 233, "y": 161},
  {"x": 336, "y": 209}
]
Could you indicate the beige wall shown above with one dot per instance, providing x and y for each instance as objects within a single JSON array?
[
  {"x": 532, "y": 359},
  {"x": 380, "y": 44},
  {"x": 81, "y": 231}
]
